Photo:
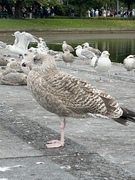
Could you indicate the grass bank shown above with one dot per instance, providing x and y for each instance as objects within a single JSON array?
[{"x": 67, "y": 23}]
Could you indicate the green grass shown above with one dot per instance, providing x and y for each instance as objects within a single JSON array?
[{"x": 67, "y": 23}]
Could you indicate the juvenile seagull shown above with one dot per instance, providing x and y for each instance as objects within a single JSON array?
[
  {"x": 103, "y": 63},
  {"x": 28, "y": 56},
  {"x": 67, "y": 95},
  {"x": 14, "y": 64},
  {"x": 129, "y": 62},
  {"x": 97, "y": 52},
  {"x": 68, "y": 57},
  {"x": 42, "y": 45},
  {"x": 12, "y": 77},
  {"x": 66, "y": 46}
]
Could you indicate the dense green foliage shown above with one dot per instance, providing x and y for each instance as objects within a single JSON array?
[
  {"x": 128, "y": 3},
  {"x": 80, "y": 6}
]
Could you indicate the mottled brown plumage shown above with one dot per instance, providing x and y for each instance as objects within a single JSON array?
[
  {"x": 13, "y": 78},
  {"x": 68, "y": 57},
  {"x": 66, "y": 95},
  {"x": 66, "y": 46}
]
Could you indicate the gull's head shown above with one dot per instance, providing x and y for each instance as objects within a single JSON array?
[
  {"x": 40, "y": 62},
  {"x": 105, "y": 54},
  {"x": 33, "y": 61},
  {"x": 64, "y": 42},
  {"x": 131, "y": 57},
  {"x": 85, "y": 45},
  {"x": 78, "y": 47},
  {"x": 129, "y": 62},
  {"x": 12, "y": 59},
  {"x": 41, "y": 39}
]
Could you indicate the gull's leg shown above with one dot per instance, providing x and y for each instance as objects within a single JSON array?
[
  {"x": 100, "y": 78},
  {"x": 109, "y": 77},
  {"x": 57, "y": 143},
  {"x": 132, "y": 72}
]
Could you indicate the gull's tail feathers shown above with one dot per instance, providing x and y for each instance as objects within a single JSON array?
[{"x": 127, "y": 116}]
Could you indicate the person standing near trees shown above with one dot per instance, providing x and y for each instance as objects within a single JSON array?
[
  {"x": 41, "y": 10},
  {"x": 52, "y": 11},
  {"x": 88, "y": 13},
  {"x": 13, "y": 11},
  {"x": 72, "y": 12},
  {"x": 30, "y": 12},
  {"x": 35, "y": 12},
  {"x": 24, "y": 11},
  {"x": 97, "y": 13},
  {"x": 92, "y": 12}
]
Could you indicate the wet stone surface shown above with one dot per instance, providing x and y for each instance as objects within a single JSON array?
[{"x": 73, "y": 158}]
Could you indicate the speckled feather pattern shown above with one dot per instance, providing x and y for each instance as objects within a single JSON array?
[{"x": 66, "y": 95}]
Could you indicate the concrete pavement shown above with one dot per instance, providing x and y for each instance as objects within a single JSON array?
[{"x": 96, "y": 148}]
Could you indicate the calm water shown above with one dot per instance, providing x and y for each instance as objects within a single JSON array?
[
  {"x": 118, "y": 45},
  {"x": 118, "y": 48}
]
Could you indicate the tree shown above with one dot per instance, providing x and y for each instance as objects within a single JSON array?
[
  {"x": 27, "y": 3},
  {"x": 18, "y": 6},
  {"x": 129, "y": 3},
  {"x": 84, "y": 5},
  {"x": 20, "y": 3},
  {"x": 80, "y": 6}
]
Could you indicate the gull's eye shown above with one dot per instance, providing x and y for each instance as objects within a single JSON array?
[{"x": 36, "y": 60}]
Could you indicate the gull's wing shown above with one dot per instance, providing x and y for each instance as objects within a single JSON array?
[
  {"x": 23, "y": 39},
  {"x": 95, "y": 51},
  {"x": 30, "y": 37},
  {"x": 17, "y": 37},
  {"x": 87, "y": 53},
  {"x": 67, "y": 47},
  {"x": 66, "y": 95},
  {"x": 2, "y": 44},
  {"x": 96, "y": 63}
]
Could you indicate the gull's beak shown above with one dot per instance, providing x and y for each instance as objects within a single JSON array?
[{"x": 28, "y": 65}]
